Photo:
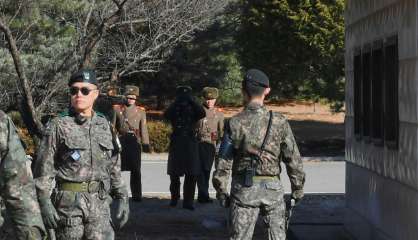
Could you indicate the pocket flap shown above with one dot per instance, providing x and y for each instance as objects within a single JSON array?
[
  {"x": 106, "y": 143},
  {"x": 76, "y": 142}
]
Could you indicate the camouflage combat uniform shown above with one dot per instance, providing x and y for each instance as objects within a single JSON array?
[
  {"x": 16, "y": 184},
  {"x": 247, "y": 131},
  {"x": 209, "y": 132},
  {"x": 81, "y": 158}
]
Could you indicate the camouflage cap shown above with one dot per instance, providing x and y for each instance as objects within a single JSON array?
[
  {"x": 183, "y": 90},
  {"x": 256, "y": 77},
  {"x": 83, "y": 75},
  {"x": 210, "y": 93},
  {"x": 131, "y": 90}
]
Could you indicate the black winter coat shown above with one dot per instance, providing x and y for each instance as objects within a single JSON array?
[{"x": 183, "y": 156}]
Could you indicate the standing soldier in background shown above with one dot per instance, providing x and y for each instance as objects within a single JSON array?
[
  {"x": 131, "y": 124},
  {"x": 209, "y": 132},
  {"x": 17, "y": 187},
  {"x": 80, "y": 152},
  {"x": 254, "y": 143},
  {"x": 183, "y": 156},
  {"x": 104, "y": 104}
]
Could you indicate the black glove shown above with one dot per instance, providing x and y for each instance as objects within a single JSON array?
[
  {"x": 224, "y": 200},
  {"x": 122, "y": 212},
  {"x": 49, "y": 214},
  {"x": 146, "y": 148}
]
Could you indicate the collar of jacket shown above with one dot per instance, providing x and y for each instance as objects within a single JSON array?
[{"x": 254, "y": 106}]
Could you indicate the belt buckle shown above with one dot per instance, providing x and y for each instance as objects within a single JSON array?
[
  {"x": 93, "y": 187},
  {"x": 84, "y": 186}
]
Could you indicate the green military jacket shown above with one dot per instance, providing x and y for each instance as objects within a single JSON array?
[
  {"x": 210, "y": 128},
  {"x": 132, "y": 119},
  {"x": 17, "y": 187},
  {"x": 247, "y": 131},
  {"x": 73, "y": 152}
]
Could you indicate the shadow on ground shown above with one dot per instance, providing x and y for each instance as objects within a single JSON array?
[
  {"x": 317, "y": 217},
  {"x": 316, "y": 138}
]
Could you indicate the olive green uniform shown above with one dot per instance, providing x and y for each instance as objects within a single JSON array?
[
  {"x": 131, "y": 124},
  {"x": 209, "y": 132}
]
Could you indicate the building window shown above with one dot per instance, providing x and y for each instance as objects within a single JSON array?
[
  {"x": 357, "y": 93},
  {"x": 377, "y": 82},
  {"x": 391, "y": 112},
  {"x": 376, "y": 73},
  {"x": 366, "y": 91}
]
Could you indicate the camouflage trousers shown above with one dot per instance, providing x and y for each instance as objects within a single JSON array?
[
  {"x": 265, "y": 197},
  {"x": 83, "y": 216}
]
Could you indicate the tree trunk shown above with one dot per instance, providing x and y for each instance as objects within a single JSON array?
[{"x": 27, "y": 110}]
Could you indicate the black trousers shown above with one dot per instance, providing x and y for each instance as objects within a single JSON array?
[
  {"x": 189, "y": 187},
  {"x": 131, "y": 161},
  {"x": 207, "y": 153},
  {"x": 203, "y": 185}
]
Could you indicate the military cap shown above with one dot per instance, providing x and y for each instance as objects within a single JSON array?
[
  {"x": 112, "y": 90},
  {"x": 183, "y": 90},
  {"x": 210, "y": 93},
  {"x": 131, "y": 90},
  {"x": 256, "y": 77},
  {"x": 83, "y": 75}
]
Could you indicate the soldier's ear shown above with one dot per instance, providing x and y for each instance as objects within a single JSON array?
[
  {"x": 267, "y": 91},
  {"x": 95, "y": 94}
]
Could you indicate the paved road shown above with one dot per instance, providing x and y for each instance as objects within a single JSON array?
[{"x": 321, "y": 177}]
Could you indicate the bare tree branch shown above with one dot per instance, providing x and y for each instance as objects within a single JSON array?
[{"x": 23, "y": 81}]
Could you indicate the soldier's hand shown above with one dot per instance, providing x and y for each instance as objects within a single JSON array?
[
  {"x": 297, "y": 195},
  {"x": 49, "y": 214},
  {"x": 1, "y": 220},
  {"x": 224, "y": 200},
  {"x": 122, "y": 212}
]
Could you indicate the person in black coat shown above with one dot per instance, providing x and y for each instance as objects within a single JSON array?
[{"x": 183, "y": 157}]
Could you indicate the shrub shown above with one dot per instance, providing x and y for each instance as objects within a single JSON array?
[
  {"x": 23, "y": 132},
  {"x": 159, "y": 135}
]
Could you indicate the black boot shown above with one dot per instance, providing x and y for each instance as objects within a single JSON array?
[{"x": 173, "y": 202}]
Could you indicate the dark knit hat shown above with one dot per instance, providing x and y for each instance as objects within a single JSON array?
[
  {"x": 257, "y": 78},
  {"x": 183, "y": 90}
]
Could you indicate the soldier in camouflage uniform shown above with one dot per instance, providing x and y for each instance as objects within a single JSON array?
[
  {"x": 131, "y": 123},
  {"x": 209, "y": 133},
  {"x": 81, "y": 154},
  {"x": 256, "y": 187},
  {"x": 17, "y": 187}
]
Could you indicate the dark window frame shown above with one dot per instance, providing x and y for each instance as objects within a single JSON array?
[
  {"x": 377, "y": 93},
  {"x": 391, "y": 142},
  {"x": 357, "y": 86},
  {"x": 366, "y": 63}
]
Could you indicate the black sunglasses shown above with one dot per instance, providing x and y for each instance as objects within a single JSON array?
[{"x": 84, "y": 90}]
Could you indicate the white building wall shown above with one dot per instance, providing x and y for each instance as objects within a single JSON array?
[{"x": 382, "y": 184}]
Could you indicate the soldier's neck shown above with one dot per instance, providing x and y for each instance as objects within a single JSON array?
[
  {"x": 258, "y": 101},
  {"x": 88, "y": 113}
]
